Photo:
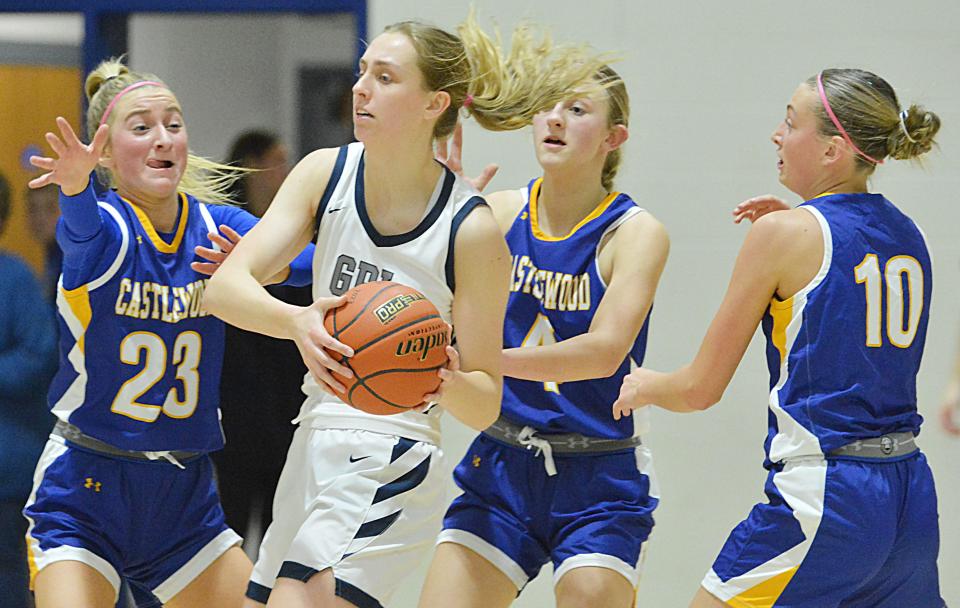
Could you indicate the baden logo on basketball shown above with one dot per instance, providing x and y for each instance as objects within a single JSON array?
[
  {"x": 436, "y": 336},
  {"x": 399, "y": 343},
  {"x": 389, "y": 310}
]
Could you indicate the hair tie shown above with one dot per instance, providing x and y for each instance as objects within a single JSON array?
[
  {"x": 468, "y": 101},
  {"x": 836, "y": 122},
  {"x": 903, "y": 125},
  {"x": 116, "y": 98}
]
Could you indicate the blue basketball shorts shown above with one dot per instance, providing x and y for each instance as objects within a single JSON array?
[
  {"x": 152, "y": 523},
  {"x": 596, "y": 511},
  {"x": 851, "y": 533}
]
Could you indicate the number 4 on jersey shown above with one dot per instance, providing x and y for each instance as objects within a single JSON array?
[{"x": 540, "y": 334}]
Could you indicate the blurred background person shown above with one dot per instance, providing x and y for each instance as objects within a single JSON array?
[
  {"x": 27, "y": 362},
  {"x": 43, "y": 211},
  {"x": 260, "y": 386}
]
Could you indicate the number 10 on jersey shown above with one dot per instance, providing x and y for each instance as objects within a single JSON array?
[{"x": 901, "y": 330}]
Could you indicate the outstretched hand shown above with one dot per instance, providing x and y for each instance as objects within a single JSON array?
[
  {"x": 754, "y": 208},
  {"x": 226, "y": 242},
  {"x": 450, "y": 153},
  {"x": 74, "y": 160}
]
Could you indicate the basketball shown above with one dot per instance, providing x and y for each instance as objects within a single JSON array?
[{"x": 399, "y": 342}]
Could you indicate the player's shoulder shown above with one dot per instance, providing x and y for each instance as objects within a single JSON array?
[
  {"x": 790, "y": 223},
  {"x": 505, "y": 205},
  {"x": 315, "y": 170}
]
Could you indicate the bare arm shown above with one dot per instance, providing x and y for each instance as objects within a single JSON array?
[
  {"x": 638, "y": 251},
  {"x": 482, "y": 269},
  {"x": 782, "y": 252},
  {"x": 235, "y": 293}
]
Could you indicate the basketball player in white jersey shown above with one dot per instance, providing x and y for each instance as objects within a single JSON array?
[{"x": 360, "y": 498}]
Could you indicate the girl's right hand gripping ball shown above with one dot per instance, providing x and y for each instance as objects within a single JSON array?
[{"x": 399, "y": 342}]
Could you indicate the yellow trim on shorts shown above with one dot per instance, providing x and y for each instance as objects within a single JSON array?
[{"x": 766, "y": 594}]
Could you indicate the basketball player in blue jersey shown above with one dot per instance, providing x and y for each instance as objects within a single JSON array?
[
  {"x": 125, "y": 485},
  {"x": 360, "y": 498},
  {"x": 555, "y": 479},
  {"x": 842, "y": 287}
]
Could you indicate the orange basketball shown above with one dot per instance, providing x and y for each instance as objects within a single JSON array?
[{"x": 399, "y": 342}]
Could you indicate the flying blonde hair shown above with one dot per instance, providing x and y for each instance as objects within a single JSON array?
[{"x": 501, "y": 93}]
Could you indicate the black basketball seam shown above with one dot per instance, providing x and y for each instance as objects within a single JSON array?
[
  {"x": 394, "y": 331},
  {"x": 363, "y": 382},
  {"x": 336, "y": 332},
  {"x": 360, "y": 383}
]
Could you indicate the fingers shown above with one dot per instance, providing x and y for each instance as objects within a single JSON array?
[
  {"x": 66, "y": 131},
  {"x": 325, "y": 342},
  {"x": 204, "y": 267},
  {"x": 210, "y": 254},
  {"x": 456, "y": 147},
  {"x": 323, "y": 376},
  {"x": 325, "y": 304},
  {"x": 445, "y": 375},
  {"x": 69, "y": 135},
  {"x": 43, "y": 162},
  {"x": 100, "y": 139},
  {"x": 948, "y": 420},
  {"x": 485, "y": 176},
  {"x": 230, "y": 233},
  {"x": 225, "y": 245},
  {"x": 440, "y": 151},
  {"x": 622, "y": 406},
  {"x": 55, "y": 144},
  {"x": 453, "y": 359},
  {"x": 40, "y": 182}
]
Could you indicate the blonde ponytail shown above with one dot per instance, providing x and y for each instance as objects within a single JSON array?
[
  {"x": 501, "y": 93},
  {"x": 867, "y": 108},
  {"x": 206, "y": 180}
]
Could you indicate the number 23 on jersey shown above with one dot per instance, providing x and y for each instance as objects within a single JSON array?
[{"x": 149, "y": 350}]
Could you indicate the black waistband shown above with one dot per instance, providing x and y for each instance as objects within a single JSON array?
[
  {"x": 561, "y": 443},
  {"x": 892, "y": 445},
  {"x": 75, "y": 436}
]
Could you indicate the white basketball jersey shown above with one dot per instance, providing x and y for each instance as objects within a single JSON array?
[{"x": 350, "y": 252}]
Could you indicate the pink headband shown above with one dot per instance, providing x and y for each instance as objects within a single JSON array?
[
  {"x": 116, "y": 98},
  {"x": 836, "y": 122}
]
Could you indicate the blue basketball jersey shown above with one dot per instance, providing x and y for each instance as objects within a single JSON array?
[
  {"x": 140, "y": 357},
  {"x": 555, "y": 289},
  {"x": 844, "y": 351}
]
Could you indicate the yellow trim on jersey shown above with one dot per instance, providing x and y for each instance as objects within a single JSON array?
[
  {"x": 31, "y": 562},
  {"x": 782, "y": 313},
  {"x": 161, "y": 245},
  {"x": 535, "y": 226},
  {"x": 823, "y": 195},
  {"x": 765, "y": 594},
  {"x": 79, "y": 302}
]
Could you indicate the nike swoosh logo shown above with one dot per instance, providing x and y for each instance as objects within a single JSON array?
[
  {"x": 352, "y": 459},
  {"x": 333, "y": 209}
]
